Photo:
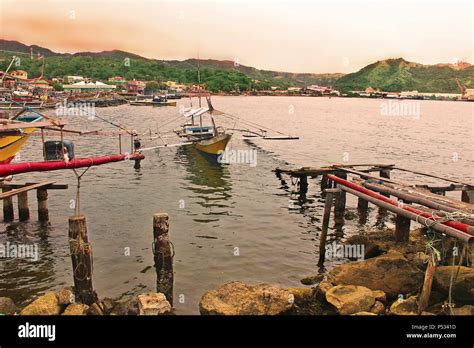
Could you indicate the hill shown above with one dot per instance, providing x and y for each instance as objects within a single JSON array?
[{"x": 394, "y": 75}]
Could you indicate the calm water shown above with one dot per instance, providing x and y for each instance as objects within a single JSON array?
[{"x": 217, "y": 210}]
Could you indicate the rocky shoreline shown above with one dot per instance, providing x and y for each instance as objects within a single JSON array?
[{"x": 388, "y": 281}]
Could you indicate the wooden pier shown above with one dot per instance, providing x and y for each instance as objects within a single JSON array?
[
  {"x": 424, "y": 204},
  {"x": 11, "y": 189}
]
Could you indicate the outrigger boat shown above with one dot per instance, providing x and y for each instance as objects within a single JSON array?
[
  {"x": 155, "y": 101},
  {"x": 14, "y": 134},
  {"x": 208, "y": 139}
]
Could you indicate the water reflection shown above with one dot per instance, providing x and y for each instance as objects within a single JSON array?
[{"x": 208, "y": 180}]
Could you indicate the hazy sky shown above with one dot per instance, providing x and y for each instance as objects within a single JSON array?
[{"x": 287, "y": 35}]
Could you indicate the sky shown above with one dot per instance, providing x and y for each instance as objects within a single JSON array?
[{"x": 286, "y": 35}]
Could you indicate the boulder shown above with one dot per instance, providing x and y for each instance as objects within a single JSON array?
[
  {"x": 371, "y": 249},
  {"x": 108, "y": 305},
  {"x": 76, "y": 309},
  {"x": 153, "y": 303},
  {"x": 7, "y": 306},
  {"x": 302, "y": 296},
  {"x": 95, "y": 309},
  {"x": 463, "y": 285},
  {"x": 126, "y": 306},
  {"x": 66, "y": 296},
  {"x": 237, "y": 298},
  {"x": 364, "y": 313},
  {"x": 391, "y": 273},
  {"x": 47, "y": 304},
  {"x": 311, "y": 280},
  {"x": 350, "y": 299},
  {"x": 378, "y": 308},
  {"x": 380, "y": 296},
  {"x": 464, "y": 310},
  {"x": 405, "y": 307}
]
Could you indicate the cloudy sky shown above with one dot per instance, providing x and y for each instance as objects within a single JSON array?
[{"x": 286, "y": 35}]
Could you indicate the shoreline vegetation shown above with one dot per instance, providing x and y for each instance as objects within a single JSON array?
[
  {"x": 231, "y": 77},
  {"x": 387, "y": 281}
]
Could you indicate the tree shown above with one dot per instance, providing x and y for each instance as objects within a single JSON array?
[
  {"x": 57, "y": 86},
  {"x": 152, "y": 86}
]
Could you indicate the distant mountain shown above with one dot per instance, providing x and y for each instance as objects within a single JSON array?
[
  {"x": 224, "y": 75},
  {"x": 393, "y": 75},
  {"x": 267, "y": 77}
]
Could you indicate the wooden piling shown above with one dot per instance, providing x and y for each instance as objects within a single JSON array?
[
  {"x": 324, "y": 183},
  {"x": 326, "y": 215},
  {"x": 385, "y": 173},
  {"x": 42, "y": 197},
  {"x": 23, "y": 209},
  {"x": 467, "y": 196},
  {"x": 303, "y": 184},
  {"x": 163, "y": 256},
  {"x": 340, "y": 202},
  {"x": 426, "y": 290},
  {"x": 8, "y": 211},
  {"x": 362, "y": 205},
  {"x": 402, "y": 229},
  {"x": 81, "y": 255}
]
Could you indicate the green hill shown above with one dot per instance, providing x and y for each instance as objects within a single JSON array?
[{"x": 394, "y": 75}]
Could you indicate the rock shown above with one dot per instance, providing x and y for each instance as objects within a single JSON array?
[
  {"x": 237, "y": 298},
  {"x": 76, "y": 309},
  {"x": 464, "y": 310},
  {"x": 427, "y": 313},
  {"x": 391, "y": 273},
  {"x": 380, "y": 296},
  {"x": 95, "y": 309},
  {"x": 66, "y": 296},
  {"x": 378, "y": 308},
  {"x": 371, "y": 249},
  {"x": 405, "y": 307},
  {"x": 311, "y": 280},
  {"x": 302, "y": 296},
  {"x": 126, "y": 306},
  {"x": 153, "y": 304},
  {"x": 47, "y": 304},
  {"x": 7, "y": 306},
  {"x": 324, "y": 286},
  {"x": 108, "y": 305},
  {"x": 350, "y": 299},
  {"x": 364, "y": 313},
  {"x": 463, "y": 285}
]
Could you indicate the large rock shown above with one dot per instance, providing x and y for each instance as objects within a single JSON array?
[
  {"x": 76, "y": 309},
  {"x": 237, "y": 298},
  {"x": 464, "y": 310},
  {"x": 153, "y": 303},
  {"x": 350, "y": 299},
  {"x": 391, "y": 273},
  {"x": 405, "y": 307},
  {"x": 7, "y": 306},
  {"x": 47, "y": 304},
  {"x": 126, "y": 306},
  {"x": 371, "y": 249},
  {"x": 463, "y": 284},
  {"x": 66, "y": 296}
]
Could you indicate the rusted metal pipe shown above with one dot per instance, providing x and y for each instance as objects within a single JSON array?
[{"x": 378, "y": 197}]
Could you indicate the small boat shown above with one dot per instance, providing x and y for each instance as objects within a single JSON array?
[
  {"x": 12, "y": 140},
  {"x": 155, "y": 101},
  {"x": 208, "y": 139}
]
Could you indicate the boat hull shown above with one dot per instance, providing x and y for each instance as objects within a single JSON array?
[
  {"x": 213, "y": 146},
  {"x": 10, "y": 145}
]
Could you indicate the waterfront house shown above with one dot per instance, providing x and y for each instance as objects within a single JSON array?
[
  {"x": 82, "y": 86},
  {"x": 135, "y": 86}
]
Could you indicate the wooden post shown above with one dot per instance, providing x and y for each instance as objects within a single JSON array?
[
  {"x": 402, "y": 229},
  {"x": 23, "y": 209},
  {"x": 81, "y": 255},
  {"x": 324, "y": 229},
  {"x": 42, "y": 196},
  {"x": 426, "y": 291},
  {"x": 362, "y": 205},
  {"x": 8, "y": 211},
  {"x": 324, "y": 183},
  {"x": 303, "y": 184},
  {"x": 385, "y": 173},
  {"x": 467, "y": 196},
  {"x": 120, "y": 143},
  {"x": 340, "y": 203},
  {"x": 163, "y": 256}
]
